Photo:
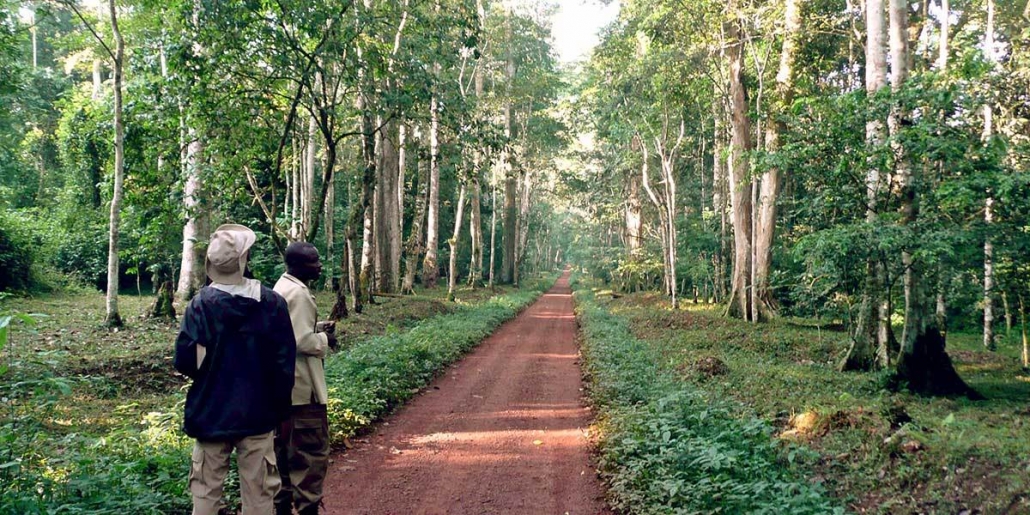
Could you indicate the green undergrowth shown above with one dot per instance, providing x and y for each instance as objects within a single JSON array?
[
  {"x": 670, "y": 447},
  {"x": 876, "y": 450},
  {"x": 90, "y": 419}
]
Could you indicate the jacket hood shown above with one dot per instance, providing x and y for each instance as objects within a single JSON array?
[{"x": 233, "y": 310}]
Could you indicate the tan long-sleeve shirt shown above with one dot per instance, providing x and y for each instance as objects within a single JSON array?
[{"x": 309, "y": 378}]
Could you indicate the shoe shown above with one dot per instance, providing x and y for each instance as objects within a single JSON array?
[{"x": 309, "y": 510}]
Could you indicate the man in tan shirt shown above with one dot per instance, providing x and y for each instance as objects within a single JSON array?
[{"x": 302, "y": 442}]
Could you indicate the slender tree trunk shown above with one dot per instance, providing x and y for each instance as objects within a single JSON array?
[
  {"x": 1008, "y": 312},
  {"x": 339, "y": 311},
  {"x": 942, "y": 50},
  {"x": 296, "y": 230},
  {"x": 402, "y": 166},
  {"x": 670, "y": 201},
  {"x": 35, "y": 40},
  {"x": 508, "y": 221},
  {"x": 452, "y": 270},
  {"x": 718, "y": 195},
  {"x": 508, "y": 233},
  {"x": 1022, "y": 324},
  {"x": 194, "y": 231},
  {"x": 525, "y": 190},
  {"x": 771, "y": 180},
  {"x": 430, "y": 268},
  {"x": 941, "y": 311},
  {"x": 739, "y": 184},
  {"x": 98, "y": 79},
  {"x": 475, "y": 209},
  {"x": 368, "y": 243},
  {"x": 414, "y": 245},
  {"x": 476, "y": 229},
  {"x": 113, "y": 318},
  {"x": 308, "y": 190},
  {"x": 862, "y": 353},
  {"x": 988, "y": 302},
  {"x": 634, "y": 221},
  {"x": 493, "y": 226},
  {"x": 330, "y": 233},
  {"x": 353, "y": 278}
]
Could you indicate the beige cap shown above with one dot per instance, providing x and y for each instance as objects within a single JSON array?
[{"x": 227, "y": 253}]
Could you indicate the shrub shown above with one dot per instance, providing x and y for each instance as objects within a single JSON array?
[
  {"x": 83, "y": 255},
  {"x": 16, "y": 254}
]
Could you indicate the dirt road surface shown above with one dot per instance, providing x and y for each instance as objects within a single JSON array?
[{"x": 504, "y": 431}]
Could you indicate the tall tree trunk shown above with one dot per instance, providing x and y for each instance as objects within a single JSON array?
[
  {"x": 493, "y": 226},
  {"x": 1008, "y": 312},
  {"x": 1022, "y": 324},
  {"x": 339, "y": 311},
  {"x": 771, "y": 181},
  {"x": 113, "y": 318},
  {"x": 475, "y": 223},
  {"x": 923, "y": 363},
  {"x": 192, "y": 274},
  {"x": 413, "y": 248},
  {"x": 942, "y": 50},
  {"x": 508, "y": 233},
  {"x": 522, "y": 223},
  {"x": 452, "y": 270},
  {"x": 368, "y": 244},
  {"x": 668, "y": 161},
  {"x": 353, "y": 279},
  {"x": 988, "y": 302},
  {"x": 387, "y": 224},
  {"x": 942, "y": 66},
  {"x": 475, "y": 228},
  {"x": 295, "y": 224},
  {"x": 718, "y": 195},
  {"x": 35, "y": 40},
  {"x": 634, "y": 221},
  {"x": 308, "y": 209},
  {"x": 98, "y": 79},
  {"x": 330, "y": 233},
  {"x": 430, "y": 268},
  {"x": 862, "y": 353},
  {"x": 739, "y": 183}
]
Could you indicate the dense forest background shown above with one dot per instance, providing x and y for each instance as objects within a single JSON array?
[{"x": 862, "y": 163}]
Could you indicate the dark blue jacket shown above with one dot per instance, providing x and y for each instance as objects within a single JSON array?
[{"x": 242, "y": 388}]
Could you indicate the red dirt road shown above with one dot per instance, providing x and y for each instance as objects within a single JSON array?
[{"x": 502, "y": 431}]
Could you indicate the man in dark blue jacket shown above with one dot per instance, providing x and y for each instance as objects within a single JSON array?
[{"x": 237, "y": 344}]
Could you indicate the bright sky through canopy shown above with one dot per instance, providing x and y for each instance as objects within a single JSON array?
[{"x": 576, "y": 24}]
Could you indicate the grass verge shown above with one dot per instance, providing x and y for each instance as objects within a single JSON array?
[
  {"x": 876, "y": 450},
  {"x": 669, "y": 447}
]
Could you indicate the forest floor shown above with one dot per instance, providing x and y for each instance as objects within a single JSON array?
[
  {"x": 505, "y": 430},
  {"x": 878, "y": 451},
  {"x": 75, "y": 393}
]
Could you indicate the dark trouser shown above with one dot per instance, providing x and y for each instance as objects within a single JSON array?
[{"x": 302, "y": 450}]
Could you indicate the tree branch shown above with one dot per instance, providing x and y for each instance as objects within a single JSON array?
[{"x": 71, "y": 5}]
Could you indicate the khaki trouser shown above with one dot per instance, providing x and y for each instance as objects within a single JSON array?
[
  {"x": 302, "y": 446},
  {"x": 259, "y": 476}
]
